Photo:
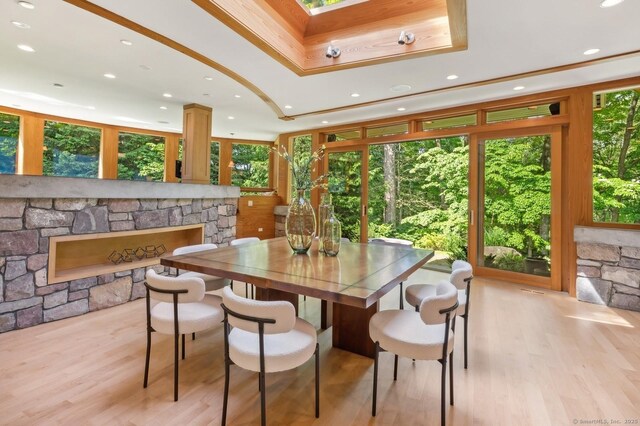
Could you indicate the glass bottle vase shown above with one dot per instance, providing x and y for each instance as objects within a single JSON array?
[
  {"x": 300, "y": 224},
  {"x": 323, "y": 214},
  {"x": 332, "y": 232}
]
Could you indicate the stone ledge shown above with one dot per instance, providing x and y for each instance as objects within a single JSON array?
[
  {"x": 610, "y": 236},
  {"x": 280, "y": 210},
  {"x": 19, "y": 186}
]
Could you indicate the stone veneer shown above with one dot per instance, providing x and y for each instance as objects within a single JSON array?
[
  {"x": 26, "y": 299},
  {"x": 608, "y": 267},
  {"x": 280, "y": 213}
]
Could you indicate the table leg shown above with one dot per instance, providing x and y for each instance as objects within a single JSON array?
[
  {"x": 272, "y": 294},
  {"x": 326, "y": 314},
  {"x": 351, "y": 329}
]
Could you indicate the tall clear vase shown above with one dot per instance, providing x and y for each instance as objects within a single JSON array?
[
  {"x": 300, "y": 225},
  {"x": 323, "y": 214}
]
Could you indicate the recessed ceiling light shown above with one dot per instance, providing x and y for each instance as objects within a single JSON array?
[
  {"x": 400, "y": 88},
  {"x": 26, "y": 5},
  {"x": 402, "y": 109},
  {"x": 167, "y": 95},
  {"x": 325, "y": 122},
  {"x": 58, "y": 85},
  {"x": 452, "y": 77},
  {"x": 109, "y": 75},
  {"x": 237, "y": 96},
  {"x": 518, "y": 88},
  {"x": 21, "y": 25},
  {"x": 208, "y": 78},
  {"x": 610, "y": 3},
  {"x": 231, "y": 117},
  {"x": 163, "y": 107},
  {"x": 26, "y": 48},
  {"x": 591, "y": 51},
  {"x": 91, "y": 107},
  {"x": 205, "y": 94},
  {"x": 15, "y": 105},
  {"x": 145, "y": 67},
  {"x": 288, "y": 107},
  {"x": 163, "y": 122},
  {"x": 355, "y": 95}
]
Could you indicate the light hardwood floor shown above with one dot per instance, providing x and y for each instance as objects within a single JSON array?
[{"x": 536, "y": 358}]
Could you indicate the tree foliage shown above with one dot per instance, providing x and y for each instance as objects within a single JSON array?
[
  {"x": 140, "y": 157},
  {"x": 9, "y": 133},
  {"x": 70, "y": 150},
  {"x": 250, "y": 165}
]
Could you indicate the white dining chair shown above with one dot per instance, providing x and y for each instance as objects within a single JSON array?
[
  {"x": 239, "y": 242},
  {"x": 424, "y": 335},
  {"x": 461, "y": 276},
  {"x": 211, "y": 282},
  {"x": 265, "y": 337},
  {"x": 180, "y": 307}
]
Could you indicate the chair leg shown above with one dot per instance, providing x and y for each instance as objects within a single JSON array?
[
  {"x": 451, "y": 378},
  {"x": 226, "y": 392},
  {"x": 193, "y": 336},
  {"x": 395, "y": 368},
  {"x": 252, "y": 287},
  {"x": 263, "y": 400},
  {"x": 231, "y": 284},
  {"x": 466, "y": 328},
  {"x": 375, "y": 379},
  {"x": 146, "y": 361},
  {"x": 317, "y": 380},
  {"x": 401, "y": 297},
  {"x": 246, "y": 290},
  {"x": 175, "y": 368},
  {"x": 443, "y": 382},
  {"x": 183, "y": 346}
]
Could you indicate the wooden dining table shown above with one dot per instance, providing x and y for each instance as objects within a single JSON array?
[{"x": 350, "y": 285}]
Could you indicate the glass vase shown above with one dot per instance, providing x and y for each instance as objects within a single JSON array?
[
  {"x": 323, "y": 214},
  {"x": 332, "y": 232},
  {"x": 300, "y": 225}
]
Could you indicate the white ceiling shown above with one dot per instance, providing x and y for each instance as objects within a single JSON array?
[{"x": 75, "y": 48}]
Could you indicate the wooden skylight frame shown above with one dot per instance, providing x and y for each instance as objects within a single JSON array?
[{"x": 366, "y": 32}]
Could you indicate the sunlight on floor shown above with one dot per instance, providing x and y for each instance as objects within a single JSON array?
[{"x": 610, "y": 318}]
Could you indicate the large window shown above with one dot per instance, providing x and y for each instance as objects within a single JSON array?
[
  {"x": 214, "y": 163},
  {"x": 616, "y": 156},
  {"x": 9, "y": 133},
  {"x": 301, "y": 153},
  {"x": 71, "y": 150},
  {"x": 140, "y": 157},
  {"x": 250, "y": 165}
]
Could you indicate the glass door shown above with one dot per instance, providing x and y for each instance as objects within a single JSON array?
[
  {"x": 517, "y": 219},
  {"x": 347, "y": 170}
]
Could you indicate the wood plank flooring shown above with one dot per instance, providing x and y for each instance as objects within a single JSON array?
[{"x": 536, "y": 358}]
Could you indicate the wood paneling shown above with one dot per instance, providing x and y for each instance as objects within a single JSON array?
[
  {"x": 108, "y": 167},
  {"x": 257, "y": 219},
  {"x": 30, "y": 145},
  {"x": 196, "y": 144},
  {"x": 171, "y": 151}
]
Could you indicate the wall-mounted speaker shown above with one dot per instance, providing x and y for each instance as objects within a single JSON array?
[{"x": 179, "y": 169}]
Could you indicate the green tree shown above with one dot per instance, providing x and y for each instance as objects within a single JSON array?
[
  {"x": 9, "y": 133},
  {"x": 71, "y": 150},
  {"x": 251, "y": 165},
  {"x": 140, "y": 157}
]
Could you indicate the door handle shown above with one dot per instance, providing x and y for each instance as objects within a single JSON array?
[{"x": 471, "y": 217}]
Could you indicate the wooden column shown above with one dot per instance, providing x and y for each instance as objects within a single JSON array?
[
  {"x": 108, "y": 168},
  {"x": 171, "y": 151},
  {"x": 225, "y": 157},
  {"x": 30, "y": 146},
  {"x": 196, "y": 139}
]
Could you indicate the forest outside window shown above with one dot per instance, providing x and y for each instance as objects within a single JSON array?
[
  {"x": 250, "y": 165},
  {"x": 214, "y": 163},
  {"x": 71, "y": 150},
  {"x": 616, "y": 156},
  {"x": 140, "y": 157},
  {"x": 9, "y": 133}
]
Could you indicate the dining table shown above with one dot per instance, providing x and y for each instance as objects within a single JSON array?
[{"x": 350, "y": 284}]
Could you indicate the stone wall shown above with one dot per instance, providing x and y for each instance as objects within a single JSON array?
[
  {"x": 608, "y": 267},
  {"x": 280, "y": 213},
  {"x": 26, "y": 299}
]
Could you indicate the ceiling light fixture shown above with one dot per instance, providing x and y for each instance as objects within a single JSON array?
[
  {"x": 332, "y": 52},
  {"x": 231, "y": 117},
  {"x": 406, "y": 38},
  {"x": 21, "y": 25},
  {"x": 145, "y": 67},
  {"x": 355, "y": 95},
  {"x": 126, "y": 42},
  {"x": 398, "y": 88},
  {"x": 325, "y": 122},
  {"x": 452, "y": 77},
  {"x": 518, "y": 88},
  {"x": 288, "y": 107},
  {"x": 26, "y": 5},
  {"x": 26, "y": 48},
  {"x": 167, "y": 95},
  {"x": 58, "y": 85},
  {"x": 402, "y": 109},
  {"x": 610, "y": 3},
  {"x": 591, "y": 51},
  {"x": 206, "y": 77},
  {"x": 237, "y": 96},
  {"x": 109, "y": 75},
  {"x": 163, "y": 107}
]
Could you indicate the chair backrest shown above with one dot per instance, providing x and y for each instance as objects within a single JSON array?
[
  {"x": 194, "y": 287},
  {"x": 282, "y": 312},
  {"x": 240, "y": 241},
  {"x": 461, "y": 273},
  {"x": 194, "y": 248},
  {"x": 446, "y": 297}
]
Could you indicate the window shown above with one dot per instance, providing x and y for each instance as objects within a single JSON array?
[
  {"x": 215, "y": 163},
  {"x": 71, "y": 150},
  {"x": 616, "y": 157},
  {"x": 140, "y": 157},
  {"x": 9, "y": 133},
  {"x": 301, "y": 153},
  {"x": 450, "y": 122},
  {"x": 532, "y": 111},
  {"x": 250, "y": 165},
  {"x": 388, "y": 130},
  {"x": 345, "y": 135}
]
